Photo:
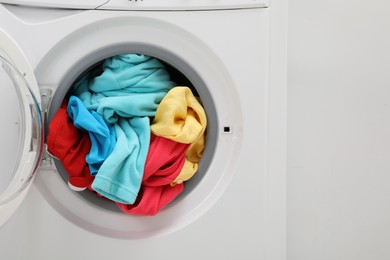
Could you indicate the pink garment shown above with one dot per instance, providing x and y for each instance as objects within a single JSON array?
[
  {"x": 164, "y": 162},
  {"x": 70, "y": 146}
]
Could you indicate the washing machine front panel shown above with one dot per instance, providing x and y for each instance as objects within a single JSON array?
[
  {"x": 219, "y": 54},
  {"x": 21, "y": 139},
  {"x": 181, "y": 49}
]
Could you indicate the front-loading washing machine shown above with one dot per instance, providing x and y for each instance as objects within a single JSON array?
[{"x": 230, "y": 53}]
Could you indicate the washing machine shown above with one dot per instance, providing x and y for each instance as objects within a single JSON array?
[{"x": 230, "y": 53}]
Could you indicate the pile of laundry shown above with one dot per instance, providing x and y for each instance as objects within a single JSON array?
[{"x": 128, "y": 133}]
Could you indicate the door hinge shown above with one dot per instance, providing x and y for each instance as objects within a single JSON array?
[
  {"x": 47, "y": 158},
  {"x": 46, "y": 96}
]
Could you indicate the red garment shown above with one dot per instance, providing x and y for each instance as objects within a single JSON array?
[
  {"x": 164, "y": 162},
  {"x": 151, "y": 200},
  {"x": 70, "y": 146}
]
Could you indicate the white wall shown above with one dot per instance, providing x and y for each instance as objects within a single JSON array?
[{"x": 338, "y": 183}]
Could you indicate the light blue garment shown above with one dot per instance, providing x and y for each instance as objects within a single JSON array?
[
  {"x": 102, "y": 135},
  {"x": 129, "y": 85},
  {"x": 134, "y": 72},
  {"x": 120, "y": 176},
  {"x": 125, "y": 90}
]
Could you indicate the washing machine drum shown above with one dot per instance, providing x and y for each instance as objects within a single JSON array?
[{"x": 132, "y": 130}]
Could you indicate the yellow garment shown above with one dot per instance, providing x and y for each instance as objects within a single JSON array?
[
  {"x": 189, "y": 169},
  {"x": 181, "y": 118}
]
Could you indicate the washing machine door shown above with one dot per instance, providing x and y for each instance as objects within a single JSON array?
[{"x": 21, "y": 134}]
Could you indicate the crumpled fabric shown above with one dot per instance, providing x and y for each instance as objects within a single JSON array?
[
  {"x": 164, "y": 163},
  {"x": 71, "y": 146},
  {"x": 119, "y": 178},
  {"x": 152, "y": 200},
  {"x": 101, "y": 134},
  {"x": 130, "y": 85},
  {"x": 181, "y": 118},
  {"x": 125, "y": 91}
]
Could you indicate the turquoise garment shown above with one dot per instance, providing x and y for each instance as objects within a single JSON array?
[
  {"x": 123, "y": 169},
  {"x": 102, "y": 135},
  {"x": 126, "y": 90},
  {"x": 128, "y": 85}
]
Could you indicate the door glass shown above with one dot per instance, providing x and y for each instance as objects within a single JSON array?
[{"x": 20, "y": 134}]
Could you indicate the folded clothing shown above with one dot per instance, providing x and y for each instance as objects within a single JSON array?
[
  {"x": 101, "y": 134},
  {"x": 71, "y": 146},
  {"x": 181, "y": 118}
]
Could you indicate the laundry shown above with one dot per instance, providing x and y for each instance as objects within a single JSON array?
[
  {"x": 152, "y": 200},
  {"x": 164, "y": 162},
  {"x": 71, "y": 146},
  {"x": 187, "y": 172},
  {"x": 129, "y": 85},
  {"x": 125, "y": 91},
  {"x": 138, "y": 165},
  {"x": 119, "y": 178},
  {"x": 102, "y": 135},
  {"x": 181, "y": 118}
]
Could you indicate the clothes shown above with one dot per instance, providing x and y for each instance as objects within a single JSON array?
[
  {"x": 102, "y": 135},
  {"x": 152, "y": 199},
  {"x": 71, "y": 146},
  {"x": 129, "y": 85},
  {"x": 188, "y": 170},
  {"x": 164, "y": 162},
  {"x": 119, "y": 178},
  {"x": 126, "y": 90},
  {"x": 181, "y": 118}
]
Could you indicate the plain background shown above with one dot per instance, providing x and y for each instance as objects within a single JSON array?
[{"x": 338, "y": 177}]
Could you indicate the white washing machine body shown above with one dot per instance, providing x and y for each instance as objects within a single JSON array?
[{"x": 233, "y": 52}]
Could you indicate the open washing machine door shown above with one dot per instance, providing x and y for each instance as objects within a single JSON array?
[{"x": 21, "y": 137}]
